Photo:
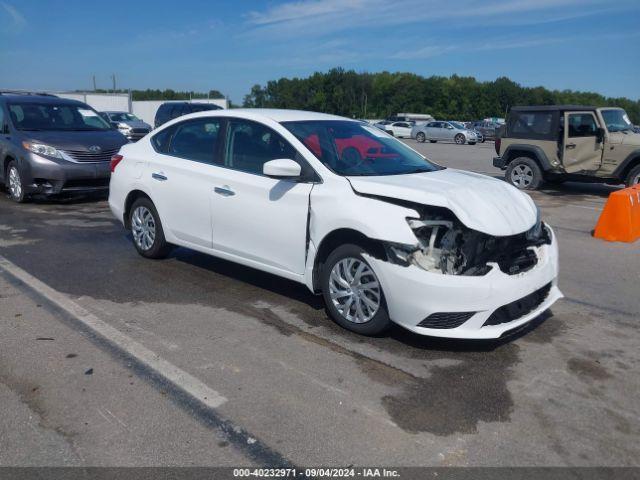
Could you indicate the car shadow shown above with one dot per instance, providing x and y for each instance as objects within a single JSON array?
[{"x": 297, "y": 292}]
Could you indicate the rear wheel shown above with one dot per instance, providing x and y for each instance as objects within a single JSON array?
[
  {"x": 14, "y": 184},
  {"x": 459, "y": 139},
  {"x": 146, "y": 228},
  {"x": 352, "y": 292},
  {"x": 524, "y": 173},
  {"x": 634, "y": 177},
  {"x": 420, "y": 137}
]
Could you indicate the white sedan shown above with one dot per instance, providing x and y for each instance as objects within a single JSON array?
[
  {"x": 382, "y": 233},
  {"x": 399, "y": 129}
]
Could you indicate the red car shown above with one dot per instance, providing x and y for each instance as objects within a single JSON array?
[{"x": 352, "y": 149}]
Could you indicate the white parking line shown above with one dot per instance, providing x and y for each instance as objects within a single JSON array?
[{"x": 167, "y": 371}]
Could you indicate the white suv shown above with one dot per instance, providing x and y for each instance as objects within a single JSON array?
[{"x": 346, "y": 209}]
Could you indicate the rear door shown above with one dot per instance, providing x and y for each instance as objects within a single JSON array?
[
  {"x": 581, "y": 149},
  {"x": 183, "y": 172}
]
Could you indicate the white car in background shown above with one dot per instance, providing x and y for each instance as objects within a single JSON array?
[
  {"x": 354, "y": 214},
  {"x": 399, "y": 129}
]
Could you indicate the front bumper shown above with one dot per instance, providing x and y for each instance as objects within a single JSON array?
[
  {"x": 413, "y": 294},
  {"x": 52, "y": 176},
  {"x": 499, "y": 162}
]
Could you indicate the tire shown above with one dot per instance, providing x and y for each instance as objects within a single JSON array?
[
  {"x": 524, "y": 174},
  {"x": 472, "y": 143},
  {"x": 144, "y": 218},
  {"x": 14, "y": 184},
  {"x": 460, "y": 139},
  {"x": 420, "y": 137},
  {"x": 372, "y": 318},
  {"x": 483, "y": 140},
  {"x": 634, "y": 177},
  {"x": 432, "y": 141},
  {"x": 390, "y": 132}
]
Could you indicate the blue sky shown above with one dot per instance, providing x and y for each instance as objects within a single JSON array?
[{"x": 230, "y": 45}]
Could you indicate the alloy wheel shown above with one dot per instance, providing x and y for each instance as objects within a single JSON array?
[
  {"x": 143, "y": 227},
  {"x": 355, "y": 290},
  {"x": 459, "y": 139},
  {"x": 420, "y": 137},
  {"x": 15, "y": 183},
  {"x": 522, "y": 176}
]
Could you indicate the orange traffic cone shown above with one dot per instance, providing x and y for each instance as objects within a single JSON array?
[{"x": 620, "y": 219}]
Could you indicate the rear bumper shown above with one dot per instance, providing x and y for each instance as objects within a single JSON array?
[
  {"x": 44, "y": 176},
  {"x": 499, "y": 162}
]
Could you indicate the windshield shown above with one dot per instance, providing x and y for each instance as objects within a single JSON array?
[
  {"x": 616, "y": 119},
  {"x": 355, "y": 149},
  {"x": 51, "y": 116},
  {"x": 457, "y": 125},
  {"x": 122, "y": 117}
]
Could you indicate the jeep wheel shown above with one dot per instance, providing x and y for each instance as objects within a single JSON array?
[
  {"x": 524, "y": 173},
  {"x": 420, "y": 137},
  {"x": 634, "y": 177}
]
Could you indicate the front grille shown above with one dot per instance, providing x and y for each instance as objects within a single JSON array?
[
  {"x": 140, "y": 131},
  {"x": 446, "y": 319},
  {"x": 86, "y": 156},
  {"x": 518, "y": 309}
]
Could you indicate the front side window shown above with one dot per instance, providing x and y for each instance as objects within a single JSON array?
[
  {"x": 616, "y": 120},
  {"x": 353, "y": 149},
  {"x": 250, "y": 145},
  {"x": 582, "y": 125},
  {"x": 64, "y": 117},
  {"x": 195, "y": 140}
]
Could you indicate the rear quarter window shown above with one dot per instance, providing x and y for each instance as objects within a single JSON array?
[{"x": 533, "y": 125}]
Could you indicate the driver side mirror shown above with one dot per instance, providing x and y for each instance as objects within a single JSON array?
[
  {"x": 282, "y": 168},
  {"x": 600, "y": 135}
]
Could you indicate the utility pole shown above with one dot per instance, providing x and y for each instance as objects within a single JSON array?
[
  {"x": 94, "y": 83},
  {"x": 113, "y": 77}
]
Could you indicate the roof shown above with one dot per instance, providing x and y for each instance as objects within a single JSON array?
[
  {"x": 40, "y": 99},
  {"x": 548, "y": 108},
  {"x": 282, "y": 115}
]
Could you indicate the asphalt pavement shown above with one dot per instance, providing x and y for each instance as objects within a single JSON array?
[{"x": 563, "y": 392}]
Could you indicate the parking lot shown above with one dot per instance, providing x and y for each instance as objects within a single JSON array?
[{"x": 294, "y": 387}]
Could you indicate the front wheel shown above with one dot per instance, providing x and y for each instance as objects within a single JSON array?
[
  {"x": 14, "y": 183},
  {"x": 146, "y": 228},
  {"x": 420, "y": 137},
  {"x": 634, "y": 177},
  {"x": 352, "y": 292},
  {"x": 459, "y": 139},
  {"x": 524, "y": 173}
]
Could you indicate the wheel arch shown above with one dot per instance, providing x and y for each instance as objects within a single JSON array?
[
  {"x": 533, "y": 152},
  {"x": 128, "y": 203},
  {"x": 342, "y": 236}
]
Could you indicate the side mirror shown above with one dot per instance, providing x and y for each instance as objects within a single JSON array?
[
  {"x": 281, "y": 168},
  {"x": 600, "y": 135}
]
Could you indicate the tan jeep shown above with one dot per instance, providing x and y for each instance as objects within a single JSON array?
[{"x": 568, "y": 142}]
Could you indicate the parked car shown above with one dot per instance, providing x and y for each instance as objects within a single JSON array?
[
  {"x": 51, "y": 145},
  {"x": 489, "y": 130},
  {"x": 382, "y": 124},
  {"x": 399, "y": 129},
  {"x": 568, "y": 142},
  {"x": 444, "y": 131},
  {"x": 439, "y": 251},
  {"x": 170, "y": 110},
  {"x": 128, "y": 124}
]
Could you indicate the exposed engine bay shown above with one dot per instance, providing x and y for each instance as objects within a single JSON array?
[{"x": 447, "y": 246}]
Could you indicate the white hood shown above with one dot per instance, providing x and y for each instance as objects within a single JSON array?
[{"x": 480, "y": 202}]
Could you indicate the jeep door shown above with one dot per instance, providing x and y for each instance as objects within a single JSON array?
[{"x": 582, "y": 148}]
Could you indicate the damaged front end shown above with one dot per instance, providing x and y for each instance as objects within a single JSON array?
[{"x": 447, "y": 246}]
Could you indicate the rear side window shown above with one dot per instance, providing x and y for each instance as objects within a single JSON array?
[
  {"x": 196, "y": 140},
  {"x": 531, "y": 124},
  {"x": 582, "y": 125}
]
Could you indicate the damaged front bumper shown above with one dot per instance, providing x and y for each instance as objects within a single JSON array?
[{"x": 471, "y": 307}]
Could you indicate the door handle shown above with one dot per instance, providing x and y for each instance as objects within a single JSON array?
[
  {"x": 570, "y": 146},
  {"x": 159, "y": 176},
  {"x": 224, "y": 191}
]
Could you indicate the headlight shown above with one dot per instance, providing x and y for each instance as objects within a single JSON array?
[
  {"x": 535, "y": 232},
  {"x": 44, "y": 150},
  {"x": 124, "y": 126}
]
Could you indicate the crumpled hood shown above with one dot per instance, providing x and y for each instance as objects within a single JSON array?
[{"x": 480, "y": 202}]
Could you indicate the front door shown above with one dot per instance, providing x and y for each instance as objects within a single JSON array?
[
  {"x": 581, "y": 150},
  {"x": 255, "y": 217}
]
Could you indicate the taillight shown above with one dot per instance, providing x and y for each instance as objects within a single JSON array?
[
  {"x": 115, "y": 160},
  {"x": 497, "y": 145}
]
